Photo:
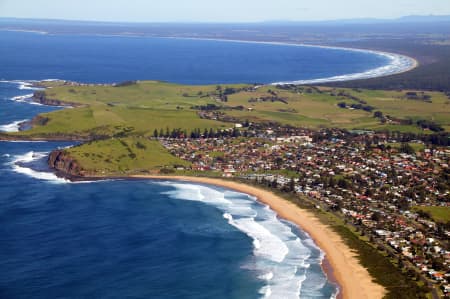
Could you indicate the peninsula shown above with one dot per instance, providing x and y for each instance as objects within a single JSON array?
[{"x": 306, "y": 145}]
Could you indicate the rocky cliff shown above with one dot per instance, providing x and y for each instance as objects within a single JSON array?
[
  {"x": 41, "y": 98},
  {"x": 63, "y": 163}
]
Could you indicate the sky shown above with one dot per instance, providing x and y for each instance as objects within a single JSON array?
[{"x": 219, "y": 10}]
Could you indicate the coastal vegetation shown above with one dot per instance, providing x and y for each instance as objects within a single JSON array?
[
  {"x": 143, "y": 107},
  {"x": 437, "y": 213}
]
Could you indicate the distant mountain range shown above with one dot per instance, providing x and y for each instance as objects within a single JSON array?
[{"x": 406, "y": 19}]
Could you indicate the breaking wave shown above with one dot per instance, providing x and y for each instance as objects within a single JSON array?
[
  {"x": 19, "y": 165},
  {"x": 23, "y": 164},
  {"x": 281, "y": 257},
  {"x": 396, "y": 64},
  {"x": 12, "y": 127}
]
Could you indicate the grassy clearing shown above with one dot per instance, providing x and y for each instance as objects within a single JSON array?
[
  {"x": 438, "y": 214},
  {"x": 141, "y": 107},
  {"x": 417, "y": 147},
  {"x": 315, "y": 109}
]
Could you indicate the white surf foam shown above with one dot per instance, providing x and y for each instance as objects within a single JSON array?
[
  {"x": 24, "y": 85},
  {"x": 22, "y": 98},
  {"x": 12, "y": 127},
  {"x": 23, "y": 30},
  {"x": 280, "y": 256},
  {"x": 18, "y": 166},
  {"x": 19, "y": 160},
  {"x": 396, "y": 64},
  {"x": 28, "y": 85},
  {"x": 266, "y": 244}
]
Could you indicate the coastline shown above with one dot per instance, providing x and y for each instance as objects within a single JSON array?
[
  {"x": 340, "y": 264},
  {"x": 399, "y": 63}
]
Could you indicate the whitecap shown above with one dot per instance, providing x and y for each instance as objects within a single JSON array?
[
  {"x": 12, "y": 127},
  {"x": 19, "y": 160},
  {"x": 18, "y": 166},
  {"x": 280, "y": 256},
  {"x": 266, "y": 244},
  {"x": 396, "y": 64},
  {"x": 24, "y": 85},
  {"x": 28, "y": 85},
  {"x": 22, "y": 98}
]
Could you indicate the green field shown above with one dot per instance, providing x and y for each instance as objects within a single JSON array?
[
  {"x": 136, "y": 109},
  {"x": 438, "y": 214},
  {"x": 139, "y": 109},
  {"x": 132, "y": 155}
]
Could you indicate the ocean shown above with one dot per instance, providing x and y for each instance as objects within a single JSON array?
[{"x": 142, "y": 238}]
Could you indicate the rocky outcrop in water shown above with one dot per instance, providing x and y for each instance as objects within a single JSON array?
[{"x": 64, "y": 163}]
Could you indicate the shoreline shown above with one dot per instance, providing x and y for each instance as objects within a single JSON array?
[
  {"x": 339, "y": 264},
  {"x": 399, "y": 63},
  {"x": 409, "y": 63}
]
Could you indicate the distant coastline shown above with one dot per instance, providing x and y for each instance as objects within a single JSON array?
[{"x": 398, "y": 63}]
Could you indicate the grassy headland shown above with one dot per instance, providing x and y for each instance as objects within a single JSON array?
[
  {"x": 121, "y": 156},
  {"x": 140, "y": 108}
]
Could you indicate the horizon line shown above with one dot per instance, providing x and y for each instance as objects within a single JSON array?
[{"x": 441, "y": 18}]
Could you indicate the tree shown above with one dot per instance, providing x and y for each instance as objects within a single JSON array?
[
  {"x": 342, "y": 105},
  {"x": 406, "y": 148},
  {"x": 155, "y": 133},
  {"x": 279, "y": 161},
  {"x": 378, "y": 114},
  {"x": 292, "y": 185},
  {"x": 211, "y": 133},
  {"x": 343, "y": 183},
  {"x": 236, "y": 133},
  {"x": 376, "y": 216},
  {"x": 167, "y": 132}
]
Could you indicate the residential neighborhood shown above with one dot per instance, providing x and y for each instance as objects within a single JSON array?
[{"x": 374, "y": 181}]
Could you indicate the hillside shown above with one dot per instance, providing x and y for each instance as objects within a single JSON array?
[{"x": 143, "y": 107}]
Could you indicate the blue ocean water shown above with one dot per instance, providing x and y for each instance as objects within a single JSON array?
[
  {"x": 137, "y": 238},
  {"x": 30, "y": 56}
]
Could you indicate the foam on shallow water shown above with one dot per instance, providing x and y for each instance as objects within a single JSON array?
[
  {"x": 22, "y": 98},
  {"x": 281, "y": 257},
  {"x": 396, "y": 64},
  {"x": 12, "y": 127},
  {"x": 21, "y": 164}
]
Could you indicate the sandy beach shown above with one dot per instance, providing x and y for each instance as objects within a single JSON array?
[{"x": 353, "y": 279}]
